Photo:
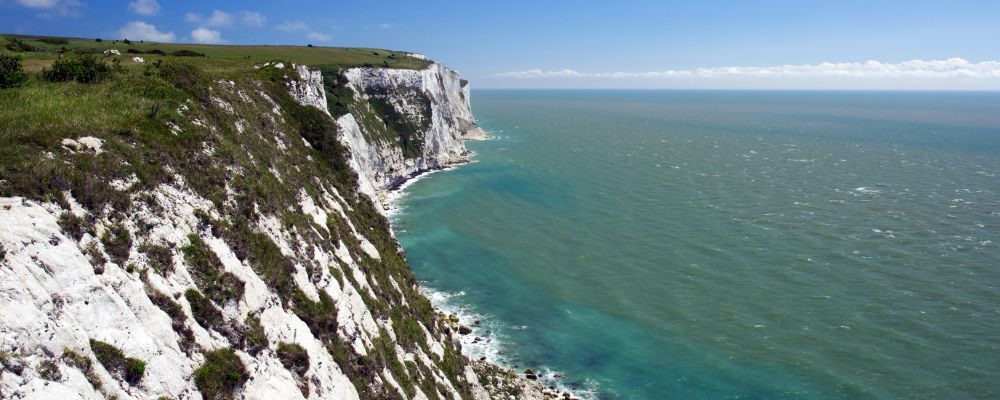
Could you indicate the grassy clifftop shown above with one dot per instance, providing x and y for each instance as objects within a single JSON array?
[
  {"x": 137, "y": 100},
  {"x": 39, "y": 51}
]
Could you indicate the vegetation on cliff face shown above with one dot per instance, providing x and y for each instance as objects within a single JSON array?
[
  {"x": 220, "y": 375},
  {"x": 233, "y": 135},
  {"x": 113, "y": 360},
  {"x": 375, "y": 113}
]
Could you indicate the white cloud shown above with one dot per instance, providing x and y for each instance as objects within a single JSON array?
[
  {"x": 537, "y": 73},
  {"x": 218, "y": 18},
  {"x": 144, "y": 7},
  {"x": 386, "y": 25},
  {"x": 319, "y": 37},
  {"x": 300, "y": 26},
  {"x": 52, "y": 8},
  {"x": 46, "y": 4},
  {"x": 138, "y": 30},
  {"x": 206, "y": 36},
  {"x": 950, "y": 68},
  {"x": 292, "y": 26},
  {"x": 252, "y": 18}
]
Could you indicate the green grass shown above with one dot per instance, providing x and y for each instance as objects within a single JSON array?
[
  {"x": 43, "y": 113},
  {"x": 339, "y": 56}
]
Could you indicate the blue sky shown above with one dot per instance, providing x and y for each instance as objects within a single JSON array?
[{"x": 644, "y": 44}]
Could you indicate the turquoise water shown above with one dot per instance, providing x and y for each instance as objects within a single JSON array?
[{"x": 727, "y": 245}]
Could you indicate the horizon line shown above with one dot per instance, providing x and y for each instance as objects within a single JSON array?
[{"x": 744, "y": 89}]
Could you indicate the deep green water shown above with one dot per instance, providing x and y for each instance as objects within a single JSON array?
[{"x": 727, "y": 245}]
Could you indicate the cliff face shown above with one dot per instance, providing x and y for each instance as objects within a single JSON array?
[
  {"x": 225, "y": 247},
  {"x": 400, "y": 123}
]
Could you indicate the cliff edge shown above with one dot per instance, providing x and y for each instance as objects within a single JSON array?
[
  {"x": 396, "y": 123},
  {"x": 179, "y": 230}
]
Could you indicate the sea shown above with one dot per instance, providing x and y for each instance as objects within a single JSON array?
[{"x": 723, "y": 244}]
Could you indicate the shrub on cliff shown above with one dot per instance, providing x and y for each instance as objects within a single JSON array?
[
  {"x": 207, "y": 314},
  {"x": 207, "y": 272},
  {"x": 177, "y": 318},
  {"x": 49, "y": 371},
  {"x": 52, "y": 40},
  {"x": 293, "y": 357},
  {"x": 317, "y": 128},
  {"x": 186, "y": 77},
  {"x": 320, "y": 316},
  {"x": 160, "y": 258},
  {"x": 220, "y": 375},
  {"x": 73, "y": 225},
  {"x": 83, "y": 68},
  {"x": 117, "y": 243},
  {"x": 255, "y": 339},
  {"x": 11, "y": 72},
  {"x": 82, "y": 363},
  {"x": 113, "y": 360},
  {"x": 187, "y": 53},
  {"x": 14, "y": 44}
]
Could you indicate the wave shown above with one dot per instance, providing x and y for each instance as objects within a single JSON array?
[{"x": 487, "y": 342}]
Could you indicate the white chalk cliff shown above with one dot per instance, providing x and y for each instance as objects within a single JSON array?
[
  {"x": 59, "y": 290},
  {"x": 380, "y": 162}
]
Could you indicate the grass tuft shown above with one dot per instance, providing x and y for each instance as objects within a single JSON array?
[
  {"x": 206, "y": 313},
  {"x": 117, "y": 243},
  {"x": 113, "y": 360},
  {"x": 207, "y": 272},
  {"x": 73, "y": 225},
  {"x": 161, "y": 259},
  {"x": 293, "y": 357},
  {"x": 84, "y": 364},
  {"x": 220, "y": 375},
  {"x": 255, "y": 339}
]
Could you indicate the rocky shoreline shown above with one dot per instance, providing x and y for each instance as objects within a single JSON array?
[
  {"x": 502, "y": 382},
  {"x": 384, "y": 173},
  {"x": 466, "y": 330}
]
